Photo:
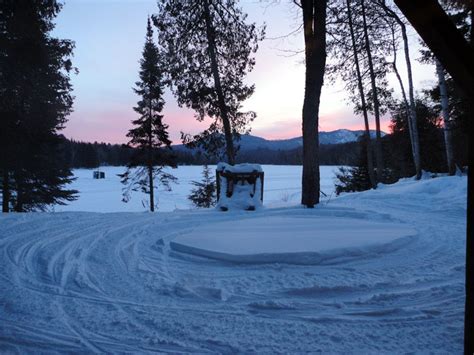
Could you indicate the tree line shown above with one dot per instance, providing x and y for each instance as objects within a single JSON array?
[{"x": 92, "y": 155}]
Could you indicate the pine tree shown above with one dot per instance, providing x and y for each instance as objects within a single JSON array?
[
  {"x": 209, "y": 49},
  {"x": 430, "y": 136},
  {"x": 355, "y": 178},
  {"x": 35, "y": 100},
  {"x": 204, "y": 195},
  {"x": 149, "y": 136}
]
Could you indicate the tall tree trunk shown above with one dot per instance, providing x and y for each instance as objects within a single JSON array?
[
  {"x": 314, "y": 22},
  {"x": 448, "y": 140},
  {"x": 404, "y": 95},
  {"x": 469, "y": 280},
  {"x": 150, "y": 157},
  {"x": 152, "y": 192},
  {"x": 218, "y": 86},
  {"x": 413, "y": 124},
  {"x": 6, "y": 192},
  {"x": 150, "y": 176},
  {"x": 18, "y": 207},
  {"x": 411, "y": 106},
  {"x": 469, "y": 306},
  {"x": 378, "y": 135},
  {"x": 370, "y": 162}
]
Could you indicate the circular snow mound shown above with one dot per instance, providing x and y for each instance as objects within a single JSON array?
[{"x": 294, "y": 240}]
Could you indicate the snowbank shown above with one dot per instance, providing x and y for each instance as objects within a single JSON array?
[{"x": 293, "y": 240}]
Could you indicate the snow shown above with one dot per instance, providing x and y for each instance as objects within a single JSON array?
[
  {"x": 110, "y": 282},
  {"x": 245, "y": 195},
  {"x": 239, "y": 168},
  {"x": 282, "y": 187},
  {"x": 293, "y": 240}
]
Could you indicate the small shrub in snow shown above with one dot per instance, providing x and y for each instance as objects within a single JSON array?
[
  {"x": 204, "y": 195},
  {"x": 352, "y": 179},
  {"x": 285, "y": 196}
]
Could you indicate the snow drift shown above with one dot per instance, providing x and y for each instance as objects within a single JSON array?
[{"x": 293, "y": 240}]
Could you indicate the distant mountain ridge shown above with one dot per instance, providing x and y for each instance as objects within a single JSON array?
[{"x": 340, "y": 136}]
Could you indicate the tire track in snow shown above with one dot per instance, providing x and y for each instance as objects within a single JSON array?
[{"x": 118, "y": 287}]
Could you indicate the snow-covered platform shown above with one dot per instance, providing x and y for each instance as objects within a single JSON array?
[{"x": 294, "y": 240}]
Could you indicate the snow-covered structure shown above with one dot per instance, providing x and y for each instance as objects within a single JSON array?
[
  {"x": 97, "y": 174},
  {"x": 239, "y": 186}
]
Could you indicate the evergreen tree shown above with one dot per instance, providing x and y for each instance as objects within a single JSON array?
[
  {"x": 355, "y": 178},
  {"x": 149, "y": 136},
  {"x": 352, "y": 179},
  {"x": 204, "y": 195},
  {"x": 209, "y": 50},
  {"x": 35, "y": 100},
  {"x": 430, "y": 135}
]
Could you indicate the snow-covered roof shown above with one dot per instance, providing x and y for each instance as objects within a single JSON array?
[{"x": 239, "y": 168}]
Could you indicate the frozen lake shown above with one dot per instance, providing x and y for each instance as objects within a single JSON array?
[{"x": 282, "y": 187}]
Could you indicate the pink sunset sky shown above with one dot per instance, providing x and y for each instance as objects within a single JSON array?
[{"x": 109, "y": 36}]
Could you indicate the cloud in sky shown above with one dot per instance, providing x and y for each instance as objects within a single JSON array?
[{"x": 109, "y": 39}]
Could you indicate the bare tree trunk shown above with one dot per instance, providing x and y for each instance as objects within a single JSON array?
[
  {"x": 18, "y": 207},
  {"x": 152, "y": 192},
  {"x": 378, "y": 136},
  {"x": 370, "y": 162},
  {"x": 150, "y": 157},
  {"x": 448, "y": 140},
  {"x": 409, "y": 106},
  {"x": 150, "y": 179},
  {"x": 405, "y": 100},
  {"x": 218, "y": 86},
  {"x": 469, "y": 280},
  {"x": 6, "y": 192},
  {"x": 314, "y": 21},
  {"x": 413, "y": 124},
  {"x": 469, "y": 306}
]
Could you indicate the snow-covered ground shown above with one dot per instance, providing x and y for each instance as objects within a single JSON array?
[
  {"x": 99, "y": 283},
  {"x": 282, "y": 186}
]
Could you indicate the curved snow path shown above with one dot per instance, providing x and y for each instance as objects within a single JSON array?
[{"x": 110, "y": 283}]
